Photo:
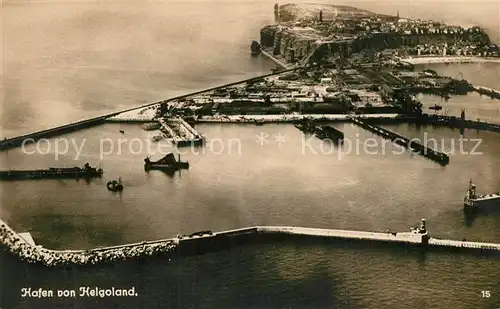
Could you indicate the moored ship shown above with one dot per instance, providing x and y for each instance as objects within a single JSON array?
[
  {"x": 157, "y": 138},
  {"x": 64, "y": 172},
  {"x": 484, "y": 202},
  {"x": 167, "y": 163},
  {"x": 329, "y": 132},
  {"x": 151, "y": 126}
]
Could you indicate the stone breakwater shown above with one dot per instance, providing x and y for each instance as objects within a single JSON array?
[
  {"x": 33, "y": 254},
  {"x": 206, "y": 241}
]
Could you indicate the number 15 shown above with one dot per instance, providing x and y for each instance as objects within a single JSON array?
[{"x": 486, "y": 294}]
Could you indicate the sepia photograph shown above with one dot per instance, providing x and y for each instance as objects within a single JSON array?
[{"x": 223, "y": 154}]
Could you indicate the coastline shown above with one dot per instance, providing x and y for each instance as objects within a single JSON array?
[{"x": 450, "y": 59}]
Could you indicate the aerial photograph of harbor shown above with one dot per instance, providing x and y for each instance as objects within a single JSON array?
[{"x": 225, "y": 154}]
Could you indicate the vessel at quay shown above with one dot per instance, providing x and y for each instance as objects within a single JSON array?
[{"x": 484, "y": 202}]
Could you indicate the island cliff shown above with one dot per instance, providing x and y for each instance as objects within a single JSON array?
[{"x": 310, "y": 31}]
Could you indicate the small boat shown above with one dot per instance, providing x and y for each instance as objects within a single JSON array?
[
  {"x": 436, "y": 107},
  {"x": 122, "y": 132},
  {"x": 114, "y": 185},
  {"x": 157, "y": 138},
  {"x": 151, "y": 126}
]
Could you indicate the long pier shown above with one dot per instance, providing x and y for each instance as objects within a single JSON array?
[
  {"x": 23, "y": 246},
  {"x": 414, "y": 146},
  {"x": 17, "y": 141},
  {"x": 492, "y": 93}
]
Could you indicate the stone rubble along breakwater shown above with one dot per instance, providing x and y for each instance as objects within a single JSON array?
[{"x": 33, "y": 254}]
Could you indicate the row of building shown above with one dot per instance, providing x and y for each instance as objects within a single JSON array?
[{"x": 342, "y": 37}]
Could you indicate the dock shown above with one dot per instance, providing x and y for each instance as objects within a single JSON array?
[
  {"x": 403, "y": 141},
  {"x": 23, "y": 246},
  {"x": 180, "y": 132}
]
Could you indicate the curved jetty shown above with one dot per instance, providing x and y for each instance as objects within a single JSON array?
[{"x": 207, "y": 241}]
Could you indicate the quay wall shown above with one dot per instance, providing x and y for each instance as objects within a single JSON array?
[{"x": 189, "y": 127}]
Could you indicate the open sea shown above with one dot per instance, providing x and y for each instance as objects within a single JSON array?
[{"x": 67, "y": 60}]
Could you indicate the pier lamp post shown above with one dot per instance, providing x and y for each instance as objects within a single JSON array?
[{"x": 423, "y": 226}]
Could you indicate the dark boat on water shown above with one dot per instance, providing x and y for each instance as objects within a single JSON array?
[
  {"x": 114, "y": 185},
  {"x": 329, "y": 132},
  {"x": 436, "y": 107},
  {"x": 63, "y": 172},
  {"x": 167, "y": 163},
  {"x": 255, "y": 48}
]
